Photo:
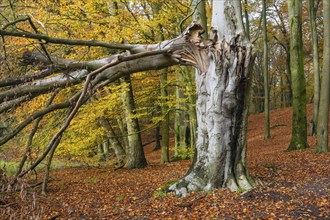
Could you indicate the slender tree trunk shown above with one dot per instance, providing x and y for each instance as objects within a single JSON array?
[
  {"x": 288, "y": 79},
  {"x": 106, "y": 147},
  {"x": 158, "y": 138},
  {"x": 166, "y": 120},
  {"x": 299, "y": 121},
  {"x": 100, "y": 153},
  {"x": 135, "y": 153},
  {"x": 188, "y": 75},
  {"x": 200, "y": 15},
  {"x": 247, "y": 20},
  {"x": 178, "y": 123},
  {"x": 316, "y": 97},
  {"x": 266, "y": 72},
  {"x": 122, "y": 124},
  {"x": 323, "y": 116},
  {"x": 222, "y": 85}
]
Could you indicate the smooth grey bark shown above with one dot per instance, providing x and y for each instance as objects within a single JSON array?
[
  {"x": 44, "y": 85},
  {"x": 222, "y": 86},
  {"x": 123, "y": 64},
  {"x": 200, "y": 17},
  {"x": 266, "y": 71},
  {"x": 299, "y": 120},
  {"x": 135, "y": 153},
  {"x": 323, "y": 116},
  {"x": 316, "y": 68}
]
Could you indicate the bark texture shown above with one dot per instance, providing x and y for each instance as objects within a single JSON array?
[
  {"x": 222, "y": 86},
  {"x": 299, "y": 120}
]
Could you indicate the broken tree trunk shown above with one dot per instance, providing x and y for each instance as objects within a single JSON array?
[{"x": 222, "y": 85}]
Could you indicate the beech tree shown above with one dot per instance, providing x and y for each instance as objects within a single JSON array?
[
  {"x": 224, "y": 62},
  {"x": 299, "y": 120},
  {"x": 312, "y": 8},
  {"x": 265, "y": 70},
  {"x": 323, "y": 115}
]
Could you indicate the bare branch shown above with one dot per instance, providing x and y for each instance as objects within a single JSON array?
[
  {"x": 15, "y": 102},
  {"x": 48, "y": 39},
  {"x": 43, "y": 86},
  {"x": 12, "y": 81}
]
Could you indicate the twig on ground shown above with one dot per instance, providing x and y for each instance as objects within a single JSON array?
[{"x": 189, "y": 204}]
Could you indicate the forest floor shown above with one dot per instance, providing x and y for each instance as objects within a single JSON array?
[{"x": 295, "y": 185}]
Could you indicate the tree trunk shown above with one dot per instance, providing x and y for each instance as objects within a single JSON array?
[
  {"x": 157, "y": 137},
  {"x": 121, "y": 121},
  {"x": 166, "y": 119},
  {"x": 106, "y": 148},
  {"x": 100, "y": 153},
  {"x": 266, "y": 72},
  {"x": 299, "y": 121},
  {"x": 178, "y": 122},
  {"x": 222, "y": 86},
  {"x": 247, "y": 20},
  {"x": 113, "y": 139},
  {"x": 288, "y": 79},
  {"x": 199, "y": 15},
  {"x": 323, "y": 116},
  {"x": 316, "y": 97},
  {"x": 135, "y": 153}
]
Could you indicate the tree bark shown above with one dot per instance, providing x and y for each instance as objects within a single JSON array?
[
  {"x": 299, "y": 121},
  {"x": 266, "y": 72},
  {"x": 135, "y": 153},
  {"x": 316, "y": 95},
  {"x": 222, "y": 86},
  {"x": 247, "y": 20},
  {"x": 165, "y": 124},
  {"x": 323, "y": 116}
]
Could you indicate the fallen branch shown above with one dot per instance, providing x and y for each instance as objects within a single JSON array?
[{"x": 190, "y": 203}]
